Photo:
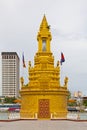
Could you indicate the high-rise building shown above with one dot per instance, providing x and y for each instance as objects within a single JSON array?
[
  {"x": 0, "y": 77},
  {"x": 10, "y": 74}
]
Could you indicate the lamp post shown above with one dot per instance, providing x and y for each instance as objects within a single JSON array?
[{"x": 79, "y": 103}]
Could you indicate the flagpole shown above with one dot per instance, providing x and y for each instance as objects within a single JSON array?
[
  {"x": 61, "y": 73},
  {"x": 61, "y": 61},
  {"x": 23, "y": 65}
]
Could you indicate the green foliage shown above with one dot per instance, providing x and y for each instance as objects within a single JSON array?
[
  {"x": 69, "y": 95},
  {"x": 9, "y": 99},
  {"x": 85, "y": 102},
  {"x": 72, "y": 104}
]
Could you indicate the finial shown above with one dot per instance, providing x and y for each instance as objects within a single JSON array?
[
  {"x": 22, "y": 81},
  {"x": 58, "y": 63},
  {"x": 29, "y": 64},
  {"x": 44, "y": 30},
  {"x": 65, "y": 81},
  {"x": 44, "y": 24}
]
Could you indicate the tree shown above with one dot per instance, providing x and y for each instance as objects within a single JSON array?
[
  {"x": 9, "y": 99},
  {"x": 69, "y": 95},
  {"x": 85, "y": 102}
]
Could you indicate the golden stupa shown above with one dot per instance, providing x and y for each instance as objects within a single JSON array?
[{"x": 43, "y": 97}]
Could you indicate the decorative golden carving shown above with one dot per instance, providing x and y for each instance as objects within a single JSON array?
[
  {"x": 29, "y": 64},
  {"x": 22, "y": 81},
  {"x": 65, "y": 81},
  {"x": 58, "y": 63}
]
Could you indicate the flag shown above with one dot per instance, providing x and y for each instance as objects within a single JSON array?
[
  {"x": 23, "y": 60},
  {"x": 62, "y": 58}
]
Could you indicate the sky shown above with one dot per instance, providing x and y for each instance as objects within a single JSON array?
[{"x": 19, "y": 24}]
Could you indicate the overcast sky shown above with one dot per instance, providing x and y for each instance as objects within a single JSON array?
[{"x": 19, "y": 24}]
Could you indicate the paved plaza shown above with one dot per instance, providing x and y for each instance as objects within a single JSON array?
[{"x": 43, "y": 125}]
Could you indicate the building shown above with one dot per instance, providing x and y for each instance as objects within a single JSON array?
[
  {"x": 0, "y": 76},
  {"x": 10, "y": 74},
  {"x": 44, "y": 97}
]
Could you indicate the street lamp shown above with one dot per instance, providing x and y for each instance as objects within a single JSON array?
[{"x": 79, "y": 102}]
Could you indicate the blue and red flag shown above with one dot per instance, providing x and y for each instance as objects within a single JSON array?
[
  {"x": 23, "y": 60},
  {"x": 62, "y": 58}
]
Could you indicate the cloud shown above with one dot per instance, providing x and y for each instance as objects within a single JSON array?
[{"x": 69, "y": 36}]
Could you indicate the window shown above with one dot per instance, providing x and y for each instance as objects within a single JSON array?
[{"x": 44, "y": 45}]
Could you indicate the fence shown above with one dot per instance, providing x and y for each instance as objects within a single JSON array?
[
  {"x": 16, "y": 115},
  {"x": 9, "y": 115}
]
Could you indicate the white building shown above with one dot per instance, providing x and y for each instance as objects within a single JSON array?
[
  {"x": 10, "y": 74},
  {"x": 0, "y": 76}
]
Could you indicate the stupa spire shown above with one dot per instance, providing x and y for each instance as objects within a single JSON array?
[
  {"x": 44, "y": 36},
  {"x": 44, "y": 24}
]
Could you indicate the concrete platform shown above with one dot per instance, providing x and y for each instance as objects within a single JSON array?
[{"x": 43, "y": 125}]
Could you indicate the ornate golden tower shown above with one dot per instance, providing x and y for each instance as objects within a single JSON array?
[{"x": 43, "y": 97}]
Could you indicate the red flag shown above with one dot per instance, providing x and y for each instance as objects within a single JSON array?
[
  {"x": 62, "y": 58},
  {"x": 23, "y": 60}
]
